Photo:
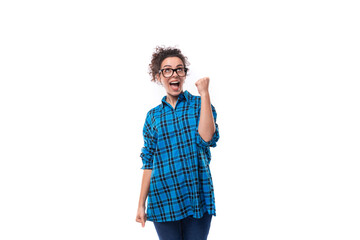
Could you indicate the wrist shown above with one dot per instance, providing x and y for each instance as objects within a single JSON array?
[
  {"x": 204, "y": 94},
  {"x": 141, "y": 203}
]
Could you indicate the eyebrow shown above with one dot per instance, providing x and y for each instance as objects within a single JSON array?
[{"x": 179, "y": 65}]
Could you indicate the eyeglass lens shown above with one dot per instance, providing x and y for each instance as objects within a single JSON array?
[{"x": 168, "y": 72}]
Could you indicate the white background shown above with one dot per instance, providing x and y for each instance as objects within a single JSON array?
[{"x": 74, "y": 93}]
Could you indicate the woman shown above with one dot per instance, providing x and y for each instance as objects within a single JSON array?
[{"x": 176, "y": 155}]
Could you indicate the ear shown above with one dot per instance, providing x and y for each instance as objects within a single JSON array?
[{"x": 158, "y": 78}]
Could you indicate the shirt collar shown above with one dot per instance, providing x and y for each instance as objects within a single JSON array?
[{"x": 182, "y": 96}]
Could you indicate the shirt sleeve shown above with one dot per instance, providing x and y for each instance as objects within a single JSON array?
[
  {"x": 150, "y": 141},
  {"x": 212, "y": 143}
]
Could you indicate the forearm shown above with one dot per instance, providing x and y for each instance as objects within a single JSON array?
[
  {"x": 206, "y": 127},
  {"x": 145, "y": 185}
]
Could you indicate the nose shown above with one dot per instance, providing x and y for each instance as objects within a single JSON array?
[{"x": 175, "y": 75}]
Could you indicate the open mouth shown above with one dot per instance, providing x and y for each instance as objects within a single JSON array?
[
  {"x": 176, "y": 83},
  {"x": 175, "y": 86}
]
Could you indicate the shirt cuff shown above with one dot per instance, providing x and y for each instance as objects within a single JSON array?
[
  {"x": 212, "y": 143},
  {"x": 147, "y": 163}
]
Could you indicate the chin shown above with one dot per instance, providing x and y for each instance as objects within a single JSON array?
[{"x": 176, "y": 93}]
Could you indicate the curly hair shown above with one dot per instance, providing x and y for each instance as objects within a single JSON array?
[{"x": 159, "y": 55}]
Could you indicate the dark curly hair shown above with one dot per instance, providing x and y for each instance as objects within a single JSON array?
[{"x": 159, "y": 55}]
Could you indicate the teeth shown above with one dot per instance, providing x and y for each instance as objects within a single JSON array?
[{"x": 174, "y": 82}]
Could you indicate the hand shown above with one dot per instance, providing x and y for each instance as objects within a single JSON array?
[
  {"x": 141, "y": 216},
  {"x": 203, "y": 85}
]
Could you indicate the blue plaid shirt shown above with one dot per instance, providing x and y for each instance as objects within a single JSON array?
[{"x": 181, "y": 183}]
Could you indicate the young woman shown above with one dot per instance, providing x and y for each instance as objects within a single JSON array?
[{"x": 176, "y": 155}]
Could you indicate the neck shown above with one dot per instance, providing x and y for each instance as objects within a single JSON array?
[{"x": 172, "y": 100}]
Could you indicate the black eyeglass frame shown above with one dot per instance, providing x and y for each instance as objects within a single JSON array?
[{"x": 173, "y": 70}]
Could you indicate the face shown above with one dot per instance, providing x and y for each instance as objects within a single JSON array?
[{"x": 174, "y": 84}]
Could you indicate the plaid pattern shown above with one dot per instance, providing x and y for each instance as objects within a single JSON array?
[{"x": 181, "y": 183}]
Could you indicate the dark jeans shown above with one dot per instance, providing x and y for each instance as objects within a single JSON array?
[{"x": 185, "y": 229}]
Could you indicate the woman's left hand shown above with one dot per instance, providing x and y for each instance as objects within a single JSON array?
[
  {"x": 203, "y": 85},
  {"x": 141, "y": 216}
]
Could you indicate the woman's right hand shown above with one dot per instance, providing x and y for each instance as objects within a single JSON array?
[{"x": 141, "y": 216}]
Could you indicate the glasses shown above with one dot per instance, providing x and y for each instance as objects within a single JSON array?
[{"x": 168, "y": 72}]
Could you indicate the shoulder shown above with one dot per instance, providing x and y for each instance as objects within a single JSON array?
[
  {"x": 153, "y": 112},
  {"x": 193, "y": 99}
]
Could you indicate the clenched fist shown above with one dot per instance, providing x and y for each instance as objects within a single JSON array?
[{"x": 203, "y": 85}]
